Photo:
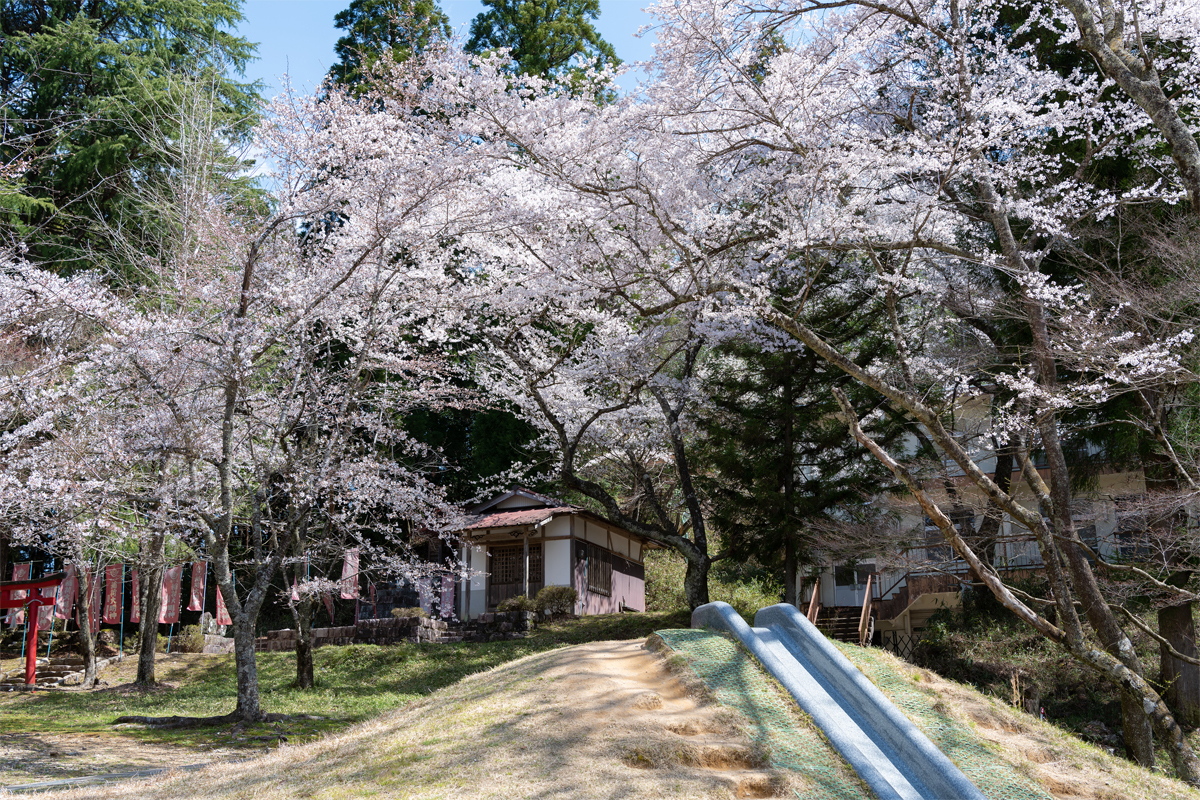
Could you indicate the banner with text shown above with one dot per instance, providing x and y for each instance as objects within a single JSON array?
[
  {"x": 199, "y": 582},
  {"x": 171, "y": 588},
  {"x": 114, "y": 593},
  {"x": 135, "y": 613},
  {"x": 68, "y": 590}
]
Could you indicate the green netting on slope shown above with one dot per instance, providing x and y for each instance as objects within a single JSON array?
[
  {"x": 985, "y": 767},
  {"x": 734, "y": 678}
]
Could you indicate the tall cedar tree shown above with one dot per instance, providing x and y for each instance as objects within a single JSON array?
[
  {"x": 543, "y": 36},
  {"x": 779, "y": 463},
  {"x": 400, "y": 28},
  {"x": 76, "y": 81}
]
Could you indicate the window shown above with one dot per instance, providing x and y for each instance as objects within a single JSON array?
[
  {"x": 936, "y": 549},
  {"x": 508, "y": 572},
  {"x": 599, "y": 570}
]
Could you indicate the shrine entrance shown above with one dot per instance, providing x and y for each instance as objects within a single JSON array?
[{"x": 28, "y": 595}]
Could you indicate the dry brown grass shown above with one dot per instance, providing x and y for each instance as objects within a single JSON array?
[
  {"x": 1064, "y": 765},
  {"x": 603, "y": 720}
]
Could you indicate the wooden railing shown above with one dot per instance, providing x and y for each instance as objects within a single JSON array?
[{"x": 865, "y": 626}]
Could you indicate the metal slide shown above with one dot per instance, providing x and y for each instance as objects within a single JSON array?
[{"x": 887, "y": 751}]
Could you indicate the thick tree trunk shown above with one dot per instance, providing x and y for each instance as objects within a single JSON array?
[
  {"x": 249, "y": 708},
  {"x": 791, "y": 586},
  {"x": 1138, "y": 731},
  {"x": 149, "y": 591},
  {"x": 1181, "y": 679},
  {"x": 244, "y": 613},
  {"x": 695, "y": 580},
  {"x": 302, "y": 615},
  {"x": 87, "y": 642},
  {"x": 304, "y": 655}
]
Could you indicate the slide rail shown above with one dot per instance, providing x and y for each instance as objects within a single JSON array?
[{"x": 888, "y": 752}]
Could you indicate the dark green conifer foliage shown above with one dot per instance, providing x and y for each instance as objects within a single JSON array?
[
  {"x": 542, "y": 35},
  {"x": 780, "y": 467},
  {"x": 374, "y": 27},
  {"x": 76, "y": 81}
]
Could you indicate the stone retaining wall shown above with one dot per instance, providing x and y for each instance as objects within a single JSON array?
[
  {"x": 486, "y": 628},
  {"x": 370, "y": 631},
  {"x": 499, "y": 626}
]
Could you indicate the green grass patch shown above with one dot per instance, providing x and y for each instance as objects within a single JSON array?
[{"x": 353, "y": 683}]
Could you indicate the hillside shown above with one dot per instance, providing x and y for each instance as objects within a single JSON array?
[{"x": 612, "y": 719}]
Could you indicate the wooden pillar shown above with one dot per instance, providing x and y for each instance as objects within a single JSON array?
[
  {"x": 526, "y": 576},
  {"x": 466, "y": 612}
]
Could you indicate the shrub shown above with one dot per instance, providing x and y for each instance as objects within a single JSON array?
[
  {"x": 746, "y": 589},
  {"x": 554, "y": 601},
  {"x": 664, "y": 581},
  {"x": 404, "y": 613},
  {"x": 746, "y": 597},
  {"x": 189, "y": 640},
  {"x": 518, "y": 603}
]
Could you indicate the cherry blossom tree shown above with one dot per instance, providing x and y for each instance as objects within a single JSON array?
[
  {"x": 928, "y": 146},
  {"x": 256, "y": 382}
]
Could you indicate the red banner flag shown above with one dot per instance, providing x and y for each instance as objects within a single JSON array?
[
  {"x": 199, "y": 581},
  {"x": 16, "y": 616},
  {"x": 46, "y": 610},
  {"x": 68, "y": 590},
  {"x": 349, "y": 582},
  {"x": 171, "y": 588},
  {"x": 222, "y": 611},
  {"x": 135, "y": 613},
  {"x": 327, "y": 598},
  {"x": 114, "y": 593}
]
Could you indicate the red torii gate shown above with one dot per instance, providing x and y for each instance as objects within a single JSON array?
[{"x": 32, "y": 602}]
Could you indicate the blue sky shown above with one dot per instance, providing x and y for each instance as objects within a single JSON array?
[{"x": 297, "y": 36}]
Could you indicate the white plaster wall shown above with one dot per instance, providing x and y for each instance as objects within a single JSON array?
[
  {"x": 557, "y": 562},
  {"x": 635, "y": 550},
  {"x": 597, "y": 535},
  {"x": 477, "y": 561},
  {"x": 559, "y": 526},
  {"x": 620, "y": 545}
]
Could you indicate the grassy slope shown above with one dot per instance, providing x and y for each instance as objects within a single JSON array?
[
  {"x": 509, "y": 733},
  {"x": 354, "y": 683}
]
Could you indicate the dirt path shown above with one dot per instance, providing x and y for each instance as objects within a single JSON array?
[{"x": 601, "y": 720}]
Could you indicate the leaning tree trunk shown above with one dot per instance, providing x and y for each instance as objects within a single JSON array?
[{"x": 149, "y": 591}]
